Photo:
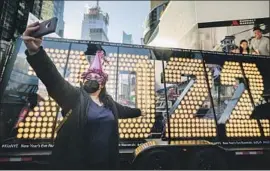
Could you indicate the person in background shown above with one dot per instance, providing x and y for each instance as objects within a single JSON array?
[
  {"x": 243, "y": 48},
  {"x": 89, "y": 137},
  {"x": 259, "y": 45}
]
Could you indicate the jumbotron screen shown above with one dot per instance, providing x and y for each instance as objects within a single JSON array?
[{"x": 184, "y": 94}]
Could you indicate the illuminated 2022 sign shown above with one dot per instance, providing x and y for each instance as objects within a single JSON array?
[{"x": 184, "y": 124}]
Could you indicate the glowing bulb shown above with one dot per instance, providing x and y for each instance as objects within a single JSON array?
[
  {"x": 19, "y": 136},
  {"x": 25, "y": 135},
  {"x": 21, "y": 124}
]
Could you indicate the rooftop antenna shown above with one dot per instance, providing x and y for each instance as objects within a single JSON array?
[{"x": 97, "y": 3}]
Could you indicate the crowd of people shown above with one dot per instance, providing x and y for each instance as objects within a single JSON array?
[{"x": 259, "y": 45}]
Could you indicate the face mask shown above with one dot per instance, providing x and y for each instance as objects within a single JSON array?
[{"x": 91, "y": 86}]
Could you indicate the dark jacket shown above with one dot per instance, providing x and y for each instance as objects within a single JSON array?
[{"x": 68, "y": 151}]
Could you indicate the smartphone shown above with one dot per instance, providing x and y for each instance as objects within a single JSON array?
[{"x": 46, "y": 27}]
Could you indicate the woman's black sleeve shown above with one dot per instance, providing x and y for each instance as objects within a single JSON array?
[
  {"x": 127, "y": 112},
  {"x": 58, "y": 88}
]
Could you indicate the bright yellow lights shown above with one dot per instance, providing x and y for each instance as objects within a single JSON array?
[
  {"x": 137, "y": 127},
  {"x": 39, "y": 122},
  {"x": 21, "y": 124},
  {"x": 240, "y": 124},
  {"x": 190, "y": 104}
]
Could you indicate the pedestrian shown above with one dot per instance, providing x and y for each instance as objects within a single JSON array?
[{"x": 259, "y": 44}]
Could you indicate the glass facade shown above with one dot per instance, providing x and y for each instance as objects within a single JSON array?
[
  {"x": 47, "y": 10},
  {"x": 59, "y": 13},
  {"x": 127, "y": 38},
  {"x": 152, "y": 20}
]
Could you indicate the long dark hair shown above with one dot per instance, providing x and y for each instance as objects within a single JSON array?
[
  {"x": 240, "y": 47},
  {"x": 104, "y": 98}
]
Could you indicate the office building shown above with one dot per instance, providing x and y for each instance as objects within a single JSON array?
[
  {"x": 47, "y": 10},
  {"x": 54, "y": 9},
  {"x": 152, "y": 20},
  {"x": 182, "y": 24},
  {"x": 14, "y": 15},
  {"x": 95, "y": 24},
  {"x": 58, "y": 12},
  {"x": 127, "y": 38},
  {"x": 154, "y": 4}
]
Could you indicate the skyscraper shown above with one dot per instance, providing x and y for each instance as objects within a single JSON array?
[
  {"x": 127, "y": 38},
  {"x": 95, "y": 24},
  {"x": 14, "y": 14},
  {"x": 47, "y": 10},
  {"x": 54, "y": 9},
  {"x": 58, "y": 12}
]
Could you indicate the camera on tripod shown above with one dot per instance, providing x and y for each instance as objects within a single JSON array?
[{"x": 228, "y": 44}]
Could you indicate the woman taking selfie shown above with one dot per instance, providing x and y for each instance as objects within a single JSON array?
[{"x": 89, "y": 137}]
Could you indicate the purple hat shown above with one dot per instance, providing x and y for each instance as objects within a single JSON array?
[{"x": 95, "y": 71}]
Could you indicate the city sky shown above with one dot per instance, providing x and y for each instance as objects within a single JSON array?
[{"x": 127, "y": 16}]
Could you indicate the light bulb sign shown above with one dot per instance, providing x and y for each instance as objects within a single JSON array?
[{"x": 201, "y": 92}]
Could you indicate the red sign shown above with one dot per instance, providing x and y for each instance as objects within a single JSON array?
[{"x": 235, "y": 23}]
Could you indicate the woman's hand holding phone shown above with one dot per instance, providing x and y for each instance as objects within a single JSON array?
[{"x": 32, "y": 44}]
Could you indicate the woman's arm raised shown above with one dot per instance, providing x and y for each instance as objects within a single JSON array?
[{"x": 58, "y": 88}]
